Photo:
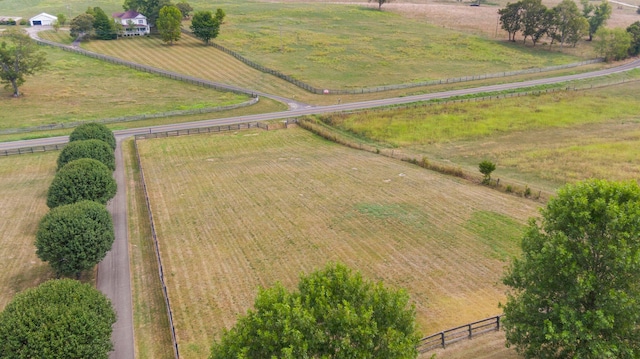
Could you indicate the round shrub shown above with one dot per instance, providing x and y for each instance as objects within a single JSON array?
[
  {"x": 93, "y": 131},
  {"x": 75, "y": 237},
  {"x": 58, "y": 319},
  {"x": 83, "y": 179},
  {"x": 96, "y": 149}
]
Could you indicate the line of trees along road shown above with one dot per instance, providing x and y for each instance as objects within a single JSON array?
[{"x": 64, "y": 318}]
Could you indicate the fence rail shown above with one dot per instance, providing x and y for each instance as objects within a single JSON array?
[
  {"x": 467, "y": 331},
  {"x": 34, "y": 149},
  {"x": 165, "y": 294},
  {"x": 216, "y": 129}
]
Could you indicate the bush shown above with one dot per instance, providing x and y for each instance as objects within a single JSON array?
[
  {"x": 486, "y": 168},
  {"x": 93, "y": 131},
  {"x": 83, "y": 179},
  {"x": 75, "y": 237},
  {"x": 58, "y": 319},
  {"x": 96, "y": 149}
]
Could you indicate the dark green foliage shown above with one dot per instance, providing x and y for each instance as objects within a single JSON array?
[
  {"x": 486, "y": 168},
  {"x": 83, "y": 179},
  {"x": 206, "y": 26},
  {"x": 75, "y": 237},
  {"x": 596, "y": 16},
  {"x": 185, "y": 9},
  {"x": 634, "y": 31},
  {"x": 149, "y": 8},
  {"x": 96, "y": 149},
  {"x": 81, "y": 25},
  {"x": 613, "y": 44},
  {"x": 93, "y": 131},
  {"x": 103, "y": 26},
  {"x": 575, "y": 292},
  {"x": 20, "y": 56},
  {"x": 511, "y": 19},
  {"x": 62, "y": 19},
  {"x": 62, "y": 319},
  {"x": 334, "y": 314}
]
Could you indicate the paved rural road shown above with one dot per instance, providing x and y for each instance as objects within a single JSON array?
[{"x": 113, "y": 272}]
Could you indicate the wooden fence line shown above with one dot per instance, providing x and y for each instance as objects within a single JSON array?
[
  {"x": 165, "y": 294},
  {"x": 214, "y": 129},
  {"x": 34, "y": 149},
  {"x": 467, "y": 331}
]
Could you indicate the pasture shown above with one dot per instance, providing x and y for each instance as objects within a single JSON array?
[
  {"x": 24, "y": 181},
  {"x": 242, "y": 210},
  {"x": 78, "y": 88},
  {"x": 548, "y": 139}
]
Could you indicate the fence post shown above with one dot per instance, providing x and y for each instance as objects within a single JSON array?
[
  {"x": 470, "y": 332},
  {"x": 498, "y": 323},
  {"x": 444, "y": 345}
]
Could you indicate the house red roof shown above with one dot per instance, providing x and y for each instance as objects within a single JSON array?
[{"x": 130, "y": 14}]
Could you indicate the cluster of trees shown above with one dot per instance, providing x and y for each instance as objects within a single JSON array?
[
  {"x": 564, "y": 23},
  {"x": 94, "y": 23},
  {"x": 205, "y": 25},
  {"x": 575, "y": 291},
  {"x": 20, "y": 56},
  {"x": 617, "y": 44},
  {"x": 334, "y": 313},
  {"x": 78, "y": 231}
]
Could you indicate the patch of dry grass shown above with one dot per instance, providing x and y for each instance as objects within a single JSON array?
[
  {"x": 238, "y": 211},
  {"x": 24, "y": 181}
]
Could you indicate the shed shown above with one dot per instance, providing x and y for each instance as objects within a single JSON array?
[{"x": 43, "y": 19}]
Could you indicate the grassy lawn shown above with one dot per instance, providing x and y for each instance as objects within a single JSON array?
[
  {"x": 238, "y": 211},
  {"x": 78, "y": 88},
  {"x": 24, "y": 181},
  {"x": 549, "y": 139}
]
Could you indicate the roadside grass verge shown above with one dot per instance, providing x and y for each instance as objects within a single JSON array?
[
  {"x": 24, "y": 181},
  {"x": 548, "y": 139},
  {"x": 78, "y": 88},
  {"x": 242, "y": 210},
  {"x": 151, "y": 325}
]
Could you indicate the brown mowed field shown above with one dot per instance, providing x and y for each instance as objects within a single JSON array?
[
  {"x": 238, "y": 211},
  {"x": 24, "y": 181}
]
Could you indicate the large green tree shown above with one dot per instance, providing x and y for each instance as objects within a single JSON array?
[
  {"x": 596, "y": 15},
  {"x": 96, "y": 149},
  {"x": 535, "y": 20},
  {"x": 62, "y": 319},
  {"x": 568, "y": 23},
  {"x": 169, "y": 23},
  {"x": 103, "y": 26},
  {"x": 634, "y": 32},
  {"x": 612, "y": 44},
  {"x": 335, "y": 313},
  {"x": 75, "y": 237},
  {"x": 19, "y": 57},
  {"x": 93, "y": 131},
  {"x": 575, "y": 292},
  {"x": 81, "y": 25},
  {"x": 206, "y": 26},
  {"x": 511, "y": 19},
  {"x": 185, "y": 9},
  {"x": 83, "y": 179}
]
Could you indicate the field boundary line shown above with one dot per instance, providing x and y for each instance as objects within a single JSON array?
[
  {"x": 365, "y": 90},
  {"x": 466, "y": 331},
  {"x": 157, "y": 250},
  {"x": 57, "y": 126},
  {"x": 29, "y": 150}
]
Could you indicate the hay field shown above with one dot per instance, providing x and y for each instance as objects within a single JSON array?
[
  {"x": 238, "y": 211},
  {"x": 24, "y": 181}
]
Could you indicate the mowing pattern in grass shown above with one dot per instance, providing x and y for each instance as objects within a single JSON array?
[
  {"x": 24, "y": 181},
  {"x": 239, "y": 211},
  {"x": 78, "y": 88},
  {"x": 548, "y": 139}
]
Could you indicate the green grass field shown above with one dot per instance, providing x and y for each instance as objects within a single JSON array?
[
  {"x": 548, "y": 139},
  {"x": 78, "y": 88},
  {"x": 242, "y": 210},
  {"x": 24, "y": 181}
]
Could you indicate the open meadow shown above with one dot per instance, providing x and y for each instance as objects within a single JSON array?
[
  {"x": 24, "y": 181},
  {"x": 242, "y": 210},
  {"x": 546, "y": 140}
]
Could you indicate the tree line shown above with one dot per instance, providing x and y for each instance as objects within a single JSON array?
[{"x": 64, "y": 318}]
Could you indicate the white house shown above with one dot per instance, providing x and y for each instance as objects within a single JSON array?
[
  {"x": 133, "y": 23},
  {"x": 43, "y": 19}
]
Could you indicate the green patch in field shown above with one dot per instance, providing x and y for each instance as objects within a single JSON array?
[
  {"x": 404, "y": 213},
  {"x": 501, "y": 234}
]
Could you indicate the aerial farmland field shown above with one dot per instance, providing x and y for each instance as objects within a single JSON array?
[
  {"x": 24, "y": 181},
  {"x": 243, "y": 210}
]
